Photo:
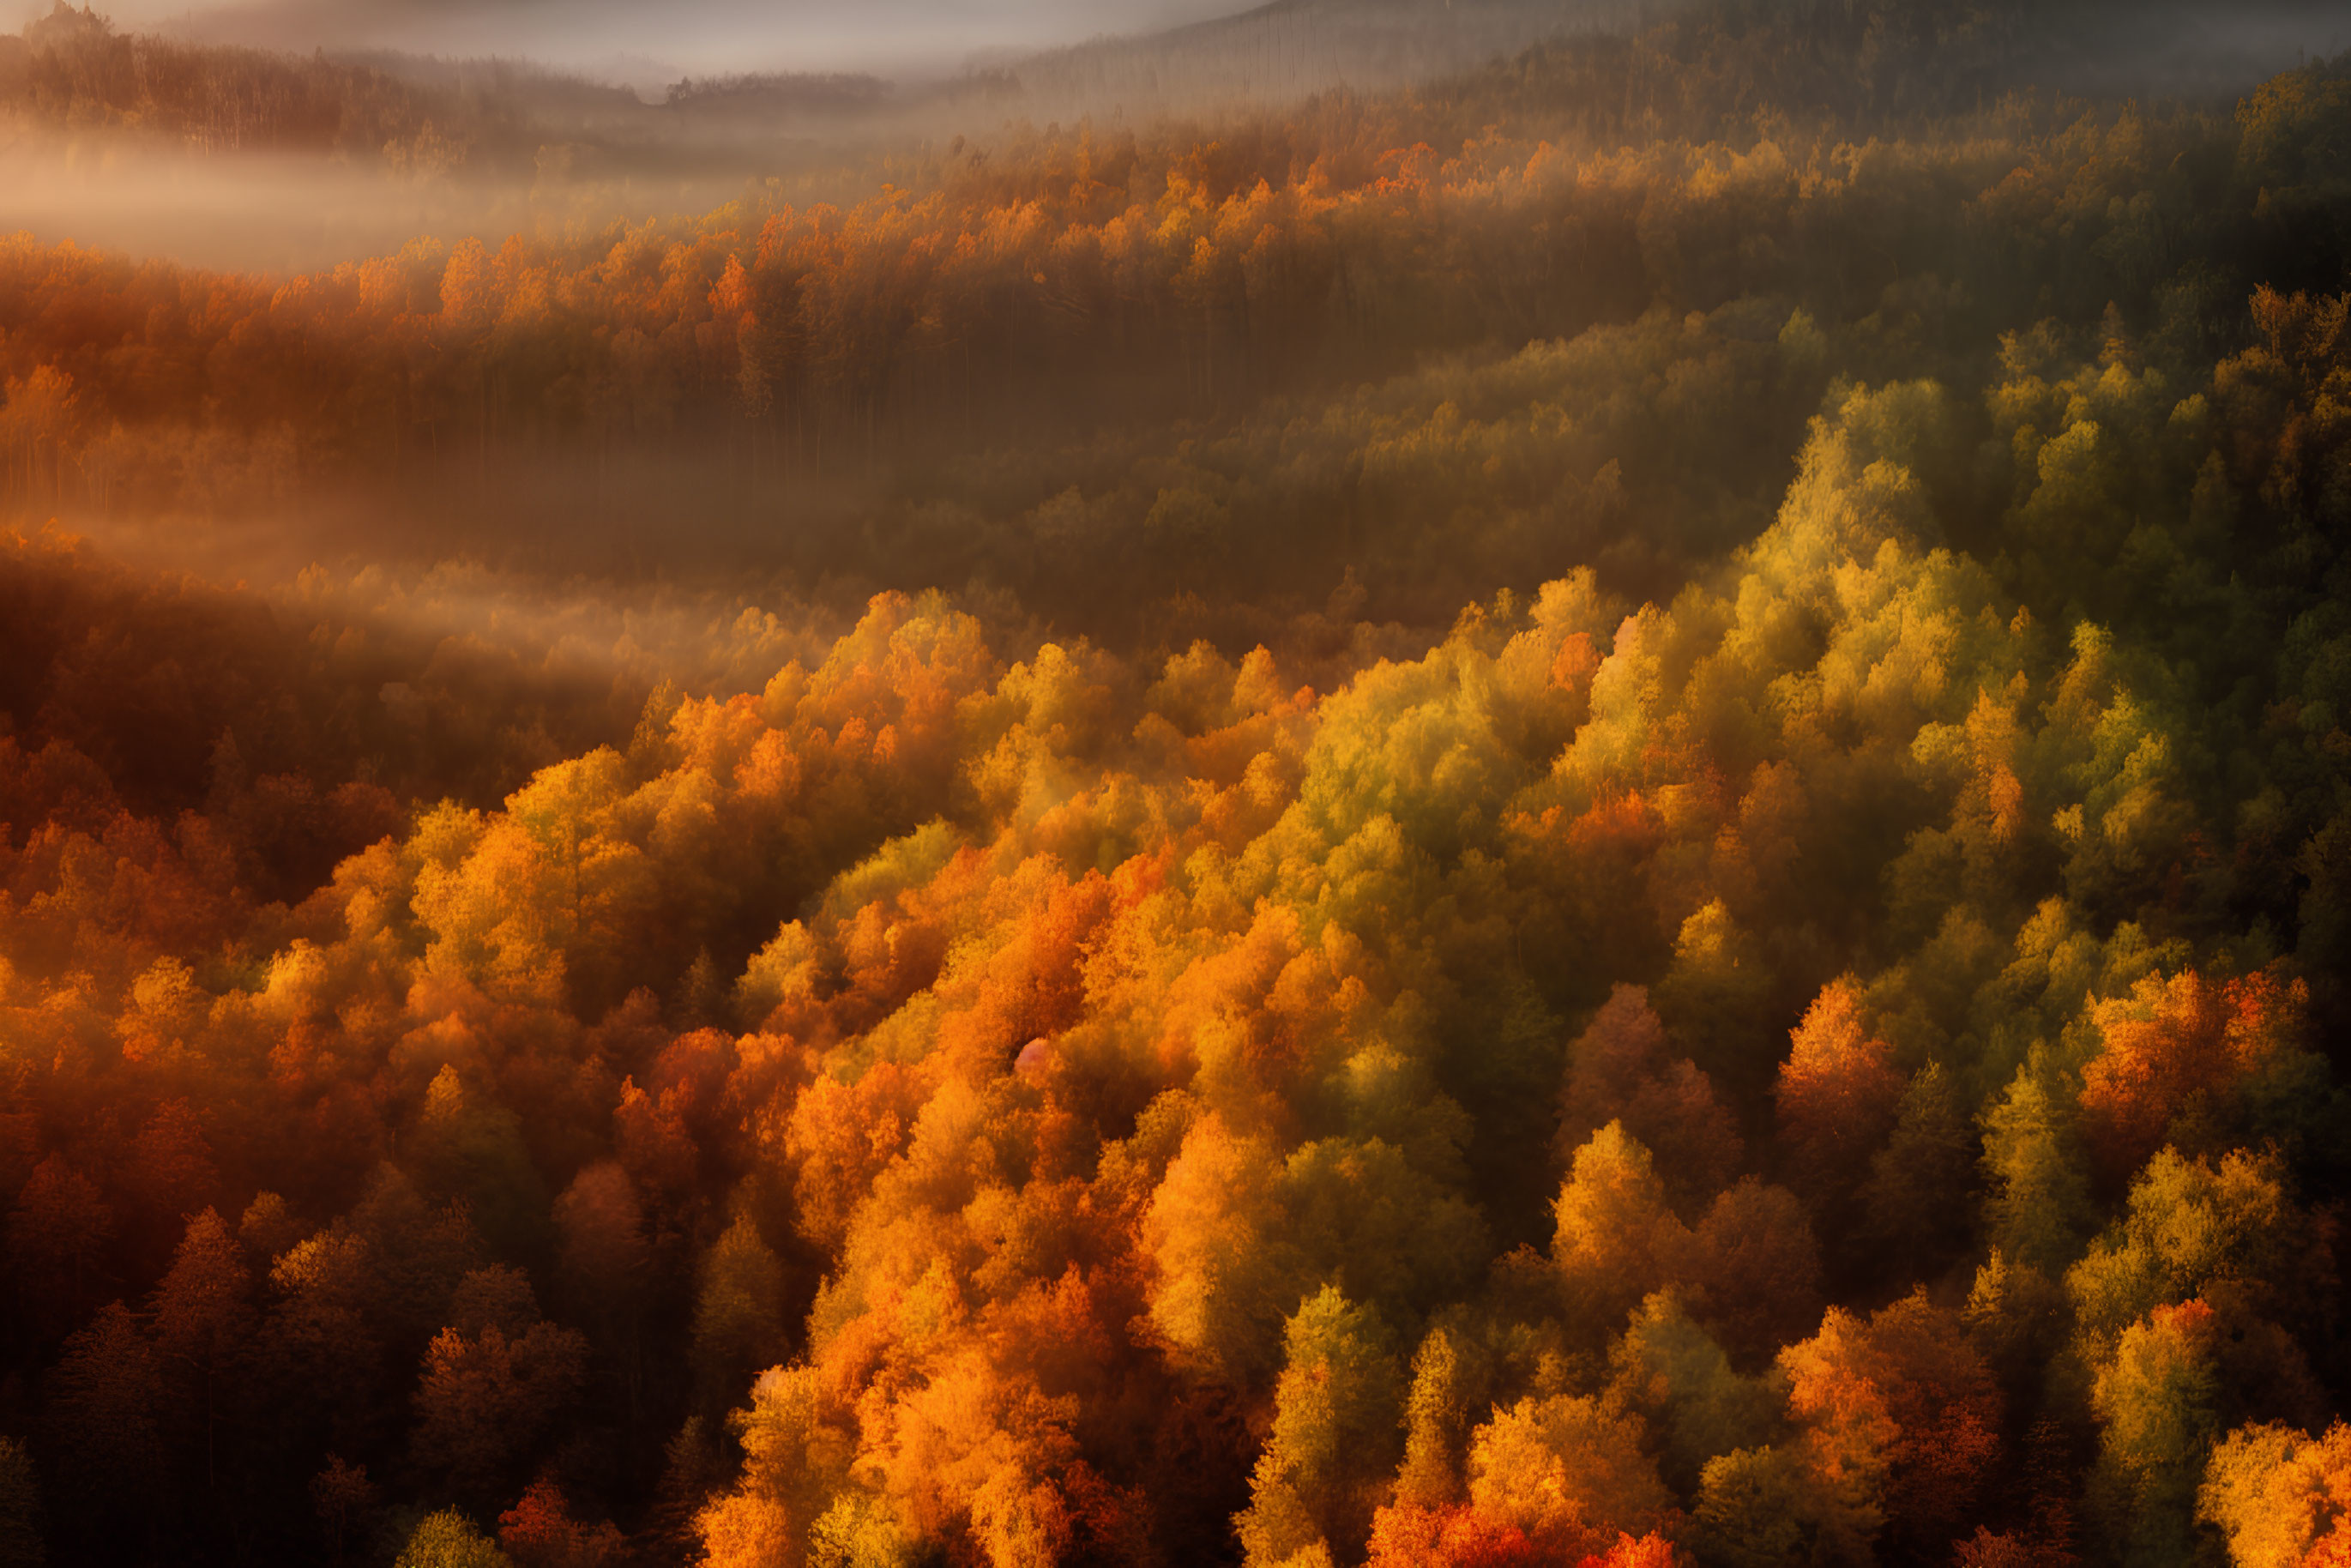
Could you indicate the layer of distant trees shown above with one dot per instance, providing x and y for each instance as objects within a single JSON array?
[
  {"x": 1797, "y": 1023},
  {"x": 1017, "y": 297},
  {"x": 72, "y": 71}
]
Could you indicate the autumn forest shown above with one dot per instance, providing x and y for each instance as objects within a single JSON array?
[{"x": 1591, "y": 810}]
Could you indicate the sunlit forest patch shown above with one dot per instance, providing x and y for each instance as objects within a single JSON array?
[{"x": 1587, "y": 810}]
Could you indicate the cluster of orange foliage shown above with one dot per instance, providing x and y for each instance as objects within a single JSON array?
[
  {"x": 1450, "y": 1117},
  {"x": 1828, "y": 1064}
]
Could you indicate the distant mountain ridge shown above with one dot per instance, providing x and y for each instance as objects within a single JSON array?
[{"x": 1291, "y": 48}]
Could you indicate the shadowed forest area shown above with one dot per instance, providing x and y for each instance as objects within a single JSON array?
[{"x": 1595, "y": 812}]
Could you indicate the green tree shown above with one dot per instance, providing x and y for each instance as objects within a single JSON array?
[
  {"x": 738, "y": 1312},
  {"x": 2159, "y": 1399},
  {"x": 1915, "y": 1208},
  {"x": 1334, "y": 1447},
  {"x": 1436, "y": 1426},
  {"x": 1672, "y": 1371},
  {"x": 449, "y": 1539},
  {"x": 2039, "y": 1207},
  {"x": 467, "y": 1145},
  {"x": 1617, "y": 1238}
]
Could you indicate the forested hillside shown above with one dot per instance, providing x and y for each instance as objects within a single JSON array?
[
  {"x": 72, "y": 71},
  {"x": 1600, "y": 815},
  {"x": 1224, "y": 360}
]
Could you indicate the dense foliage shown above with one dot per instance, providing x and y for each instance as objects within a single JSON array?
[{"x": 1796, "y": 1027}]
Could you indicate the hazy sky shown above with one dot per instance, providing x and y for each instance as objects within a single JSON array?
[{"x": 701, "y": 36}]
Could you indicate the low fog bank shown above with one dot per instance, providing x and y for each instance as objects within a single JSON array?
[
  {"x": 281, "y": 213},
  {"x": 458, "y": 677},
  {"x": 255, "y": 214},
  {"x": 229, "y": 157},
  {"x": 644, "y": 571}
]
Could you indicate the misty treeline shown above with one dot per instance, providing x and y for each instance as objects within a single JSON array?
[
  {"x": 74, "y": 81},
  {"x": 1797, "y": 1026},
  {"x": 1217, "y": 355},
  {"x": 73, "y": 74}
]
